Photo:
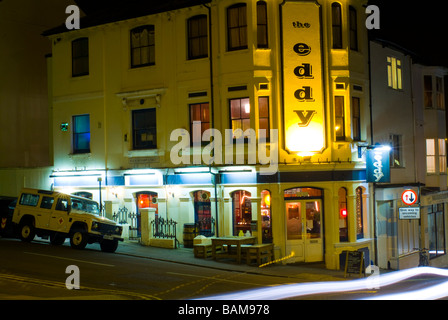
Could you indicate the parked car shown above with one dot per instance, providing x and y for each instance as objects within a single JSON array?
[{"x": 7, "y": 205}]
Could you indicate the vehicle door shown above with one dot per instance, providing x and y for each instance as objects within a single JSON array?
[{"x": 60, "y": 216}]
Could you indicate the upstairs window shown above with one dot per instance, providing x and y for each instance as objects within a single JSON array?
[
  {"x": 240, "y": 115},
  {"x": 262, "y": 25},
  {"x": 394, "y": 73},
  {"x": 80, "y": 57},
  {"x": 339, "y": 118},
  {"x": 144, "y": 129},
  {"x": 336, "y": 14},
  {"x": 353, "y": 29},
  {"x": 197, "y": 37},
  {"x": 237, "y": 27},
  {"x": 81, "y": 134},
  {"x": 142, "y": 46},
  {"x": 199, "y": 112}
]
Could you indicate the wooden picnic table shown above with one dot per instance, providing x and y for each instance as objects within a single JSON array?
[{"x": 229, "y": 242}]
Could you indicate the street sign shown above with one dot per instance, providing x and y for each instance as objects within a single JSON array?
[
  {"x": 408, "y": 213},
  {"x": 409, "y": 197}
]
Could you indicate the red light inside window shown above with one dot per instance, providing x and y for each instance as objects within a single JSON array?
[{"x": 344, "y": 213}]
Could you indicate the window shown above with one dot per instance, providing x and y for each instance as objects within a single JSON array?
[
  {"x": 442, "y": 156},
  {"x": 356, "y": 118},
  {"x": 266, "y": 217},
  {"x": 144, "y": 129},
  {"x": 436, "y": 227},
  {"x": 343, "y": 215},
  {"x": 353, "y": 29},
  {"x": 199, "y": 112},
  {"x": 237, "y": 27},
  {"x": 262, "y": 25},
  {"x": 29, "y": 199},
  {"x": 62, "y": 205},
  {"x": 394, "y": 74},
  {"x": 240, "y": 115},
  {"x": 339, "y": 115},
  {"x": 142, "y": 46},
  {"x": 427, "y": 82},
  {"x": 47, "y": 202},
  {"x": 396, "y": 151},
  {"x": 337, "y": 25},
  {"x": 80, "y": 57},
  {"x": 202, "y": 213},
  {"x": 197, "y": 37},
  {"x": 359, "y": 213},
  {"x": 430, "y": 156},
  {"x": 263, "y": 115},
  {"x": 81, "y": 134},
  {"x": 242, "y": 212},
  {"x": 439, "y": 93}
]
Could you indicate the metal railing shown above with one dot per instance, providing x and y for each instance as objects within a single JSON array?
[
  {"x": 123, "y": 216},
  {"x": 164, "y": 228}
]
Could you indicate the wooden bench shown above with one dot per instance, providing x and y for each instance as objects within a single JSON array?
[
  {"x": 204, "y": 250},
  {"x": 259, "y": 252}
]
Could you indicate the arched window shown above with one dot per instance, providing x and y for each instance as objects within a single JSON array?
[
  {"x": 241, "y": 211},
  {"x": 145, "y": 199},
  {"x": 343, "y": 215},
  {"x": 202, "y": 212},
  {"x": 266, "y": 217},
  {"x": 359, "y": 213}
]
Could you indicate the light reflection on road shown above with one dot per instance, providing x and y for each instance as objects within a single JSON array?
[{"x": 305, "y": 289}]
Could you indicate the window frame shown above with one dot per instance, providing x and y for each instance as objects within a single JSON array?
[
  {"x": 151, "y": 129},
  {"x": 262, "y": 26},
  {"x": 76, "y": 134},
  {"x": 339, "y": 133},
  {"x": 353, "y": 28},
  {"x": 151, "y": 56},
  {"x": 241, "y": 27},
  {"x": 80, "y": 54},
  {"x": 233, "y": 118},
  {"x": 356, "y": 119},
  {"x": 204, "y": 108},
  {"x": 336, "y": 25},
  {"x": 394, "y": 73},
  {"x": 200, "y": 37}
]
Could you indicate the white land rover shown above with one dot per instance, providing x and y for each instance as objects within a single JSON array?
[{"x": 60, "y": 216}]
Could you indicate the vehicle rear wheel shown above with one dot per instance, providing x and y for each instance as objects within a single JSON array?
[
  {"x": 109, "y": 245},
  {"x": 27, "y": 231},
  {"x": 78, "y": 238}
]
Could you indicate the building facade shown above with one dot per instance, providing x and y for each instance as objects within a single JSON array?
[
  {"x": 283, "y": 84},
  {"x": 408, "y": 113}
]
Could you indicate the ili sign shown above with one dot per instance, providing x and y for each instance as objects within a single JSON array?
[{"x": 409, "y": 197}]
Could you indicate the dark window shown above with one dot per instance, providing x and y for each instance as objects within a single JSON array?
[
  {"x": 356, "y": 118},
  {"x": 436, "y": 227},
  {"x": 144, "y": 129},
  {"x": 142, "y": 46},
  {"x": 237, "y": 27},
  {"x": 353, "y": 29},
  {"x": 47, "y": 202},
  {"x": 81, "y": 134},
  {"x": 197, "y": 37},
  {"x": 240, "y": 114},
  {"x": 263, "y": 115},
  {"x": 199, "y": 112},
  {"x": 339, "y": 118},
  {"x": 427, "y": 81},
  {"x": 337, "y": 25},
  {"x": 262, "y": 25},
  {"x": 80, "y": 57}
]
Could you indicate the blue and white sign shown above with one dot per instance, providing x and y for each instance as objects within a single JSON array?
[{"x": 378, "y": 165}]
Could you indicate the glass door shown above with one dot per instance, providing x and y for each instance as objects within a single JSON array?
[{"x": 304, "y": 230}]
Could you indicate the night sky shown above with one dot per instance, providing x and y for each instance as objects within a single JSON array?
[{"x": 419, "y": 27}]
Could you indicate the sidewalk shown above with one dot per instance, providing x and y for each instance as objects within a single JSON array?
[{"x": 298, "y": 272}]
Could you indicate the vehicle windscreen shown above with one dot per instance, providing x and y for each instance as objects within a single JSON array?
[{"x": 85, "y": 205}]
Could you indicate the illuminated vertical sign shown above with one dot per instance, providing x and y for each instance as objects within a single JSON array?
[
  {"x": 303, "y": 91},
  {"x": 378, "y": 165}
]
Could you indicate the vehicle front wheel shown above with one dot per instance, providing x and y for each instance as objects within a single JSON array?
[
  {"x": 78, "y": 239},
  {"x": 27, "y": 231},
  {"x": 109, "y": 245}
]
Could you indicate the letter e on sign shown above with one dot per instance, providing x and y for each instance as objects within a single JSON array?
[{"x": 409, "y": 197}]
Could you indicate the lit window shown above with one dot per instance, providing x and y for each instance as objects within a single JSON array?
[
  {"x": 343, "y": 222},
  {"x": 442, "y": 156},
  {"x": 199, "y": 112},
  {"x": 394, "y": 73},
  {"x": 240, "y": 115},
  {"x": 359, "y": 213},
  {"x": 339, "y": 115},
  {"x": 430, "y": 156},
  {"x": 81, "y": 134},
  {"x": 142, "y": 46},
  {"x": 263, "y": 115}
]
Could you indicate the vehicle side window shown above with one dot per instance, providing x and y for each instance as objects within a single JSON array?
[
  {"x": 29, "y": 199},
  {"x": 47, "y": 202},
  {"x": 62, "y": 205}
]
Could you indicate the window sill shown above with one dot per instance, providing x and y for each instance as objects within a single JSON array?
[{"x": 145, "y": 153}]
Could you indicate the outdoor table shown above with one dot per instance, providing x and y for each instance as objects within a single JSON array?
[{"x": 229, "y": 242}]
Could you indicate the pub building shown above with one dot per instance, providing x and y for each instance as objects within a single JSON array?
[{"x": 292, "y": 75}]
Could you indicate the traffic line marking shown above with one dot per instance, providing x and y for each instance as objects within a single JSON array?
[{"x": 69, "y": 259}]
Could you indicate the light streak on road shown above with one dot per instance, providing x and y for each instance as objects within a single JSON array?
[{"x": 305, "y": 289}]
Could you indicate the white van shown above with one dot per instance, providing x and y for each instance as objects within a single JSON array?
[{"x": 60, "y": 216}]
